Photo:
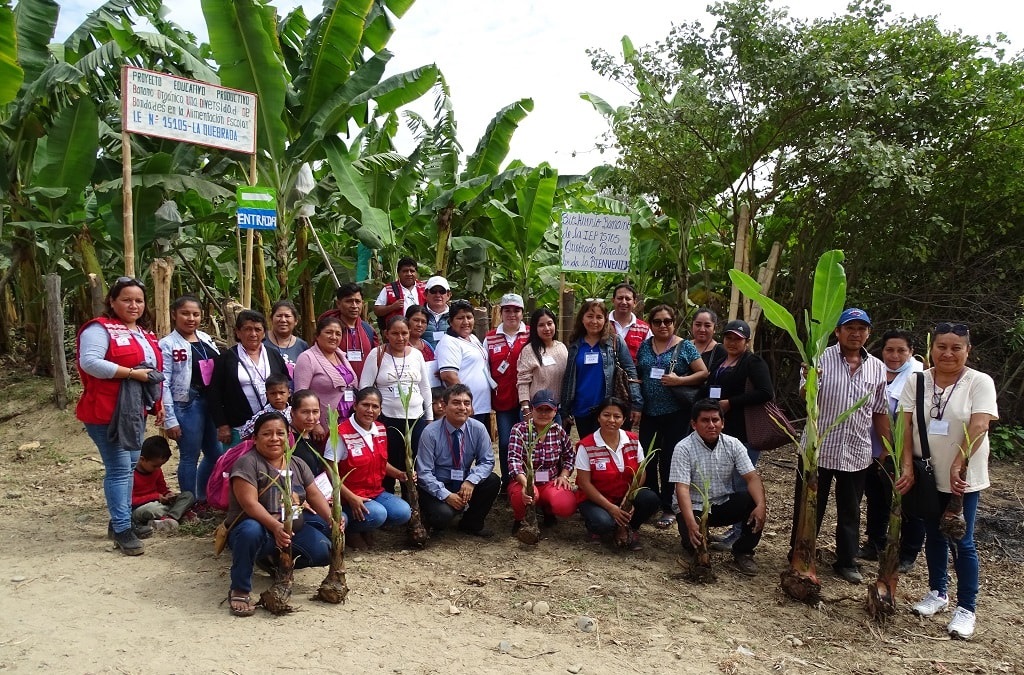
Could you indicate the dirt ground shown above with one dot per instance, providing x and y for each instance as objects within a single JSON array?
[{"x": 71, "y": 603}]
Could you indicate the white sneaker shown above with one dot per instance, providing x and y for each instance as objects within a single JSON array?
[
  {"x": 962, "y": 624},
  {"x": 931, "y": 604}
]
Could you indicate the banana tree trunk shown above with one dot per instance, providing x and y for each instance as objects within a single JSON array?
[
  {"x": 701, "y": 571},
  {"x": 953, "y": 524},
  {"x": 882, "y": 595},
  {"x": 444, "y": 233},
  {"x": 306, "y": 307},
  {"x": 260, "y": 297},
  {"x": 334, "y": 587},
  {"x": 800, "y": 581},
  {"x": 30, "y": 284}
]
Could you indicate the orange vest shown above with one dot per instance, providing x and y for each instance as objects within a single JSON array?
[
  {"x": 364, "y": 467},
  {"x": 604, "y": 475},
  {"x": 99, "y": 396}
]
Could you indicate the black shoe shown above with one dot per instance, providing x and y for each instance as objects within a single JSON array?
[
  {"x": 868, "y": 552},
  {"x": 516, "y": 526},
  {"x": 483, "y": 532},
  {"x": 141, "y": 531},
  {"x": 906, "y": 566},
  {"x": 850, "y": 574},
  {"x": 550, "y": 520},
  {"x": 129, "y": 543}
]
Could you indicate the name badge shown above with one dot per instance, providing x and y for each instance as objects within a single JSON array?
[
  {"x": 123, "y": 341},
  {"x": 657, "y": 373},
  {"x": 356, "y": 452},
  {"x": 542, "y": 476},
  {"x": 602, "y": 466},
  {"x": 591, "y": 359},
  {"x": 938, "y": 428},
  {"x": 503, "y": 367},
  {"x": 547, "y": 360},
  {"x": 715, "y": 392},
  {"x": 396, "y": 391},
  {"x": 354, "y": 355},
  {"x": 497, "y": 348},
  {"x": 349, "y": 395},
  {"x": 458, "y": 474},
  {"x": 438, "y": 334}
]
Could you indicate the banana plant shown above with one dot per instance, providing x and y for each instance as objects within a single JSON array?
[
  {"x": 882, "y": 594},
  {"x": 800, "y": 580}
]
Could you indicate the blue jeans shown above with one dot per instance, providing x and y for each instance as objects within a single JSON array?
[
  {"x": 250, "y": 541},
  {"x": 119, "y": 469},
  {"x": 599, "y": 521},
  {"x": 965, "y": 556},
  {"x": 198, "y": 433},
  {"x": 384, "y": 508},
  {"x": 505, "y": 420}
]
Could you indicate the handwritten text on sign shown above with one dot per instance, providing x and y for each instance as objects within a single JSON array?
[
  {"x": 158, "y": 104},
  {"x": 595, "y": 242}
]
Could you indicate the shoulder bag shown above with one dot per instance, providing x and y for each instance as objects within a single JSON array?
[
  {"x": 684, "y": 394},
  {"x": 767, "y": 426},
  {"x": 923, "y": 499}
]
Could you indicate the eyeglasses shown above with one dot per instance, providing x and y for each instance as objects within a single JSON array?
[
  {"x": 132, "y": 281},
  {"x": 662, "y": 322},
  {"x": 960, "y": 329}
]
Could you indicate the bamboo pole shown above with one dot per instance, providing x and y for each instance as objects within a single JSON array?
[
  {"x": 250, "y": 238},
  {"x": 742, "y": 222},
  {"x": 126, "y": 208},
  {"x": 765, "y": 279},
  {"x": 55, "y": 319}
]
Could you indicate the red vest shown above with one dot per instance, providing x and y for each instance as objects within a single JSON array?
[
  {"x": 635, "y": 335},
  {"x": 421, "y": 297},
  {"x": 365, "y": 467},
  {"x": 604, "y": 475},
  {"x": 506, "y": 396},
  {"x": 99, "y": 396}
]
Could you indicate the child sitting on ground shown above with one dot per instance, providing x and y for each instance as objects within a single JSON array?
[
  {"x": 278, "y": 393},
  {"x": 152, "y": 503}
]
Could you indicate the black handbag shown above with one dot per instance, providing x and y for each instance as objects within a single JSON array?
[
  {"x": 922, "y": 501},
  {"x": 686, "y": 395}
]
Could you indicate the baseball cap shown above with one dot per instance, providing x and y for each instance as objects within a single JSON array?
[
  {"x": 434, "y": 282},
  {"x": 853, "y": 314},
  {"x": 543, "y": 397},
  {"x": 512, "y": 300},
  {"x": 741, "y": 328}
]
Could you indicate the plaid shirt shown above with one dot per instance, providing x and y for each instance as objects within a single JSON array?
[
  {"x": 693, "y": 462},
  {"x": 848, "y": 446},
  {"x": 553, "y": 453}
]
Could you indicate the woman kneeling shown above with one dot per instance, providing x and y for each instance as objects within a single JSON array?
[
  {"x": 606, "y": 462},
  {"x": 256, "y": 512},
  {"x": 362, "y": 455}
]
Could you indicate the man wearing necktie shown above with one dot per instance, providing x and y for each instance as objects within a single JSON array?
[{"x": 455, "y": 467}]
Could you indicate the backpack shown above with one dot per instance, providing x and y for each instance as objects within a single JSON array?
[
  {"x": 218, "y": 488},
  {"x": 382, "y": 321}
]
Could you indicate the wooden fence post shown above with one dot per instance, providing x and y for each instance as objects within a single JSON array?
[
  {"x": 55, "y": 321},
  {"x": 161, "y": 270}
]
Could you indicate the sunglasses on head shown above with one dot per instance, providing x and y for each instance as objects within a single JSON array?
[
  {"x": 129, "y": 281},
  {"x": 960, "y": 329}
]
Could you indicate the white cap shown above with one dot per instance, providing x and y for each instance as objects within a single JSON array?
[
  {"x": 512, "y": 300},
  {"x": 433, "y": 282}
]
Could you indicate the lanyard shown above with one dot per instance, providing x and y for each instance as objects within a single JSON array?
[
  {"x": 937, "y": 403},
  {"x": 259, "y": 373},
  {"x": 200, "y": 349}
]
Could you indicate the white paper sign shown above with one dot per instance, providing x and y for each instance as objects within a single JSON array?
[
  {"x": 166, "y": 106},
  {"x": 594, "y": 242}
]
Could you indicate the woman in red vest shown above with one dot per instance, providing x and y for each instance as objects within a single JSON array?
[
  {"x": 362, "y": 455},
  {"x": 113, "y": 348},
  {"x": 606, "y": 462}
]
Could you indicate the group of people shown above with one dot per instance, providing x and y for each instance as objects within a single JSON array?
[{"x": 628, "y": 386}]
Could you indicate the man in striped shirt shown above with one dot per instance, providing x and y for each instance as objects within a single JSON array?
[{"x": 847, "y": 373}]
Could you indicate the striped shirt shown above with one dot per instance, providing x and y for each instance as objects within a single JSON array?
[{"x": 848, "y": 446}]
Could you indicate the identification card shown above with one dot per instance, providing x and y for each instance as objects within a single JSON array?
[
  {"x": 396, "y": 391},
  {"x": 602, "y": 466},
  {"x": 591, "y": 359},
  {"x": 938, "y": 428},
  {"x": 547, "y": 360},
  {"x": 438, "y": 334},
  {"x": 123, "y": 340},
  {"x": 355, "y": 452},
  {"x": 542, "y": 476},
  {"x": 502, "y": 367},
  {"x": 715, "y": 392},
  {"x": 323, "y": 483},
  {"x": 349, "y": 395},
  {"x": 458, "y": 474},
  {"x": 206, "y": 370},
  {"x": 657, "y": 373},
  {"x": 354, "y": 355}
]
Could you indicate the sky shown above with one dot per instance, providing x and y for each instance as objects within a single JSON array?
[{"x": 494, "y": 52}]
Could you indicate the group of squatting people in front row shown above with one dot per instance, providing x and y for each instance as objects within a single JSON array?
[{"x": 430, "y": 375}]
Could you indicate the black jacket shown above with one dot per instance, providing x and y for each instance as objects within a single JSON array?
[
  {"x": 228, "y": 405},
  {"x": 733, "y": 382}
]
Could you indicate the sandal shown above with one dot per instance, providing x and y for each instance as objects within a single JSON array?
[
  {"x": 235, "y": 600},
  {"x": 666, "y": 521}
]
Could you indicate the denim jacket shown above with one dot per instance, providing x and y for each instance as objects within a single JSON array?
[
  {"x": 178, "y": 373},
  {"x": 613, "y": 350}
]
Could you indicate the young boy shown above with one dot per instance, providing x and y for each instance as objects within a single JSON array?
[
  {"x": 278, "y": 393},
  {"x": 437, "y": 394},
  {"x": 152, "y": 503}
]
